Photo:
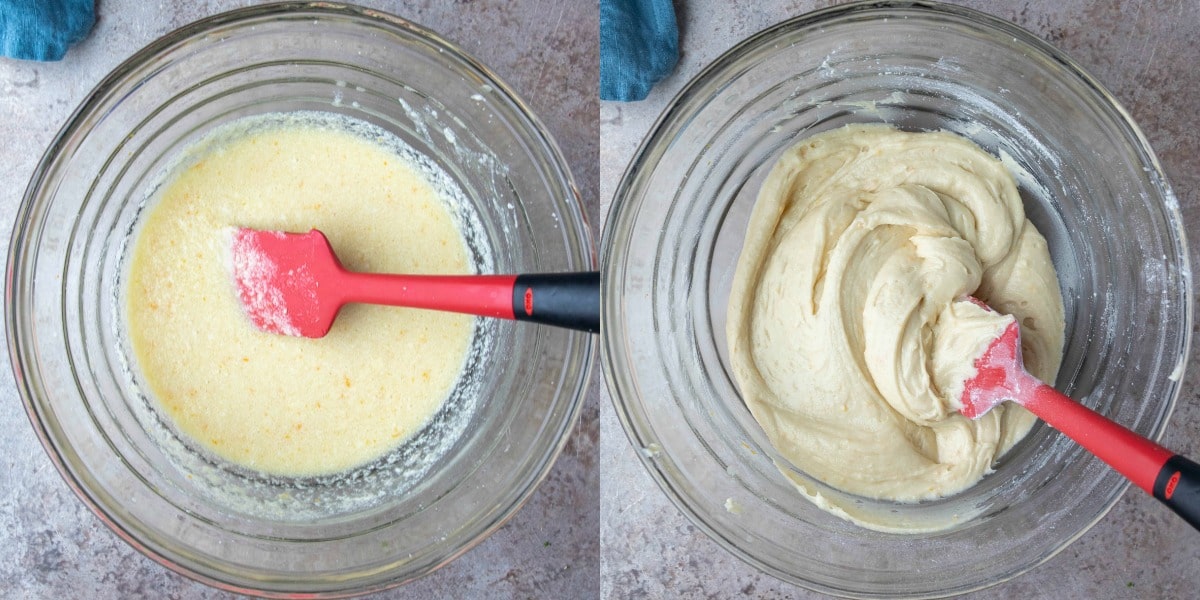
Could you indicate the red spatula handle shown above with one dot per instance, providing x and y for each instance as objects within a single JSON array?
[
  {"x": 1167, "y": 476},
  {"x": 482, "y": 295},
  {"x": 570, "y": 300}
]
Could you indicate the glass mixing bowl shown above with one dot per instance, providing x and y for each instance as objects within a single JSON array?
[
  {"x": 383, "y": 524},
  {"x": 1090, "y": 183}
]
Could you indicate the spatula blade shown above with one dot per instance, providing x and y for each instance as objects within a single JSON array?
[
  {"x": 998, "y": 375},
  {"x": 279, "y": 279}
]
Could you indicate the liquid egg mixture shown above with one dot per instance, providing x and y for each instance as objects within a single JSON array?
[{"x": 285, "y": 405}]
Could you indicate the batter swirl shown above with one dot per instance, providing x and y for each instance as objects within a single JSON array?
[{"x": 846, "y": 322}]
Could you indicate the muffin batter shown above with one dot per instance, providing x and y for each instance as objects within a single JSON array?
[
  {"x": 284, "y": 405},
  {"x": 847, "y": 325}
]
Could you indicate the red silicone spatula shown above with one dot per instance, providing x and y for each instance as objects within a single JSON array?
[
  {"x": 293, "y": 284},
  {"x": 1000, "y": 375}
]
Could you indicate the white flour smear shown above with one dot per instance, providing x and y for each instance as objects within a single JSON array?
[{"x": 256, "y": 275}]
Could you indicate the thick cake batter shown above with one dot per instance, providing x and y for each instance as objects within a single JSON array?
[
  {"x": 847, "y": 328},
  {"x": 285, "y": 405}
]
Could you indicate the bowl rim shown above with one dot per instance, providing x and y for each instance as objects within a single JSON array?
[
  {"x": 575, "y": 218},
  {"x": 676, "y": 116}
]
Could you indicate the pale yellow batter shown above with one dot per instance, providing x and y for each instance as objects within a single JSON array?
[
  {"x": 277, "y": 404},
  {"x": 846, "y": 327}
]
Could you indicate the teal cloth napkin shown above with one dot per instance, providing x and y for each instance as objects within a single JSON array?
[
  {"x": 639, "y": 45},
  {"x": 43, "y": 29}
]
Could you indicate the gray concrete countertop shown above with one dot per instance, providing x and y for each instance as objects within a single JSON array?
[
  {"x": 1146, "y": 53},
  {"x": 51, "y": 546}
]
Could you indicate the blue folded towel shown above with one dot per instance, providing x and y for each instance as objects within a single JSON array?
[
  {"x": 639, "y": 45},
  {"x": 43, "y": 29}
]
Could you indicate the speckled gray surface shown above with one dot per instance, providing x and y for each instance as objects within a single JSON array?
[
  {"x": 1146, "y": 53},
  {"x": 53, "y": 547},
  {"x": 586, "y": 514}
]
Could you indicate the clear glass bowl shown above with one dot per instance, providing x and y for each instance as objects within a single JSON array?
[
  {"x": 1090, "y": 183},
  {"x": 383, "y": 524}
]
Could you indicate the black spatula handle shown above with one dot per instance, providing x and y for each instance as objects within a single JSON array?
[
  {"x": 570, "y": 300},
  {"x": 1178, "y": 486}
]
